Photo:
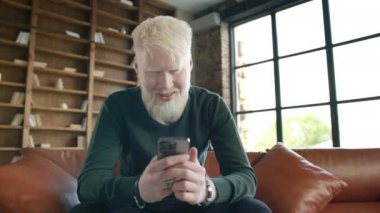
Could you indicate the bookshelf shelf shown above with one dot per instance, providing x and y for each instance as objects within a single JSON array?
[
  {"x": 12, "y": 43},
  {"x": 58, "y": 35},
  {"x": 63, "y": 54},
  {"x": 12, "y": 149},
  {"x": 10, "y": 63},
  {"x": 17, "y": 5},
  {"x": 56, "y": 109},
  {"x": 60, "y": 72},
  {"x": 54, "y": 90},
  {"x": 12, "y": 84},
  {"x": 115, "y": 49},
  {"x": 98, "y": 95},
  {"x": 2, "y": 126},
  {"x": 9, "y": 105},
  {"x": 117, "y": 18},
  {"x": 116, "y": 81},
  {"x": 63, "y": 18},
  {"x": 113, "y": 64},
  {"x": 73, "y": 4},
  {"x": 57, "y": 129},
  {"x": 15, "y": 25},
  {"x": 113, "y": 33}
]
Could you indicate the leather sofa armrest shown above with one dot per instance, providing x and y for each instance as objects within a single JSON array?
[{"x": 36, "y": 184}]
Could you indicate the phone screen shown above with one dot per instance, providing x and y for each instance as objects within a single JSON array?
[{"x": 172, "y": 146}]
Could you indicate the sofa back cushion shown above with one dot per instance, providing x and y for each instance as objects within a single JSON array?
[
  {"x": 69, "y": 160},
  {"x": 359, "y": 168}
]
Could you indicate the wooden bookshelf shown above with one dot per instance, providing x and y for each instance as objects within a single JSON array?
[{"x": 74, "y": 61}]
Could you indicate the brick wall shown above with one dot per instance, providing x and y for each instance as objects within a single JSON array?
[{"x": 212, "y": 61}]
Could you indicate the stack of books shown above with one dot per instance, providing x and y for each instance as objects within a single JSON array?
[
  {"x": 35, "y": 120},
  {"x": 18, "y": 98},
  {"x": 17, "y": 119}
]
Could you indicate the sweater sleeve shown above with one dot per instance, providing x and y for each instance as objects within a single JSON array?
[
  {"x": 238, "y": 178},
  {"x": 96, "y": 182}
]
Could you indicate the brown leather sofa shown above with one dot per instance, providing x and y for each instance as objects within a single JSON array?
[{"x": 44, "y": 180}]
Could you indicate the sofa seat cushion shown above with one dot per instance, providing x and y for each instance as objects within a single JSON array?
[
  {"x": 367, "y": 207},
  {"x": 36, "y": 184},
  {"x": 287, "y": 182}
]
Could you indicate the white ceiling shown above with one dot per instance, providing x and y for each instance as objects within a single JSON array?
[{"x": 193, "y": 6}]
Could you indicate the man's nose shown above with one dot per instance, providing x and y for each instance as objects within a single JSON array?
[{"x": 166, "y": 81}]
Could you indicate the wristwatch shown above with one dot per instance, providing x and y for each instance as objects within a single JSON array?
[
  {"x": 208, "y": 200},
  {"x": 136, "y": 195}
]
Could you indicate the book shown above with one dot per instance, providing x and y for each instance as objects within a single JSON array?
[
  {"x": 21, "y": 62},
  {"x": 18, "y": 98},
  {"x": 38, "y": 119},
  {"x": 99, "y": 38},
  {"x": 39, "y": 64},
  {"x": 43, "y": 145},
  {"x": 75, "y": 126},
  {"x": 84, "y": 123},
  {"x": 23, "y": 37},
  {"x": 69, "y": 69},
  {"x": 0, "y": 76},
  {"x": 36, "y": 81},
  {"x": 81, "y": 141},
  {"x": 35, "y": 120},
  {"x": 72, "y": 34},
  {"x": 31, "y": 141},
  {"x": 98, "y": 73},
  {"x": 17, "y": 119},
  {"x": 127, "y": 2},
  {"x": 84, "y": 105}
]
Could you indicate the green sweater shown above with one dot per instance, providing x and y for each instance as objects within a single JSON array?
[{"x": 125, "y": 131}]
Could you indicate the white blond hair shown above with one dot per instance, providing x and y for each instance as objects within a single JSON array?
[{"x": 167, "y": 33}]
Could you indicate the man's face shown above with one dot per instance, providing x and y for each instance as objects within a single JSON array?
[
  {"x": 165, "y": 82},
  {"x": 163, "y": 76}
]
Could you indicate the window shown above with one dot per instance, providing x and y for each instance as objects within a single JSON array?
[{"x": 309, "y": 75}]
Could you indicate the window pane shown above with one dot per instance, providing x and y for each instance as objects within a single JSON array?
[
  {"x": 304, "y": 79},
  {"x": 352, "y": 19},
  {"x": 257, "y": 130},
  {"x": 359, "y": 124},
  {"x": 307, "y": 127},
  {"x": 300, "y": 28},
  {"x": 253, "y": 41},
  {"x": 357, "y": 69},
  {"x": 255, "y": 87}
]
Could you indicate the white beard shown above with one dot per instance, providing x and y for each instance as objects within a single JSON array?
[{"x": 165, "y": 112}]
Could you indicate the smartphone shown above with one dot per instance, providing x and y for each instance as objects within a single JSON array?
[{"x": 172, "y": 146}]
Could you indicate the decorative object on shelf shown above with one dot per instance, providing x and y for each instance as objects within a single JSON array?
[
  {"x": 23, "y": 37},
  {"x": 17, "y": 119},
  {"x": 69, "y": 69},
  {"x": 123, "y": 30},
  {"x": 72, "y": 34},
  {"x": 59, "y": 84},
  {"x": 127, "y": 2},
  {"x": 40, "y": 64},
  {"x": 18, "y": 98},
  {"x": 43, "y": 145},
  {"x": 31, "y": 141},
  {"x": 84, "y": 105},
  {"x": 75, "y": 126},
  {"x": 21, "y": 62},
  {"x": 99, "y": 38},
  {"x": 98, "y": 73},
  {"x": 35, "y": 120},
  {"x": 64, "y": 106},
  {"x": 36, "y": 80},
  {"x": 81, "y": 141}
]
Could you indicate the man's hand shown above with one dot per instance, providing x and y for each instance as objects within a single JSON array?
[
  {"x": 190, "y": 184},
  {"x": 152, "y": 183}
]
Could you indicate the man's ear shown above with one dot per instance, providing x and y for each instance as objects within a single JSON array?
[{"x": 191, "y": 64}]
